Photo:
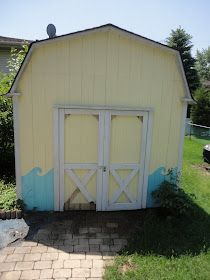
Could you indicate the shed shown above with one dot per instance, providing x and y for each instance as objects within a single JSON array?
[{"x": 99, "y": 118}]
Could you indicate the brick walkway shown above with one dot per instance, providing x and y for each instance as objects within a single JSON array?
[{"x": 77, "y": 246}]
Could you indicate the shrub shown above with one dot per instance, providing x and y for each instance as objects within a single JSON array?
[
  {"x": 7, "y": 160},
  {"x": 172, "y": 199},
  {"x": 8, "y": 199},
  {"x": 200, "y": 112}
]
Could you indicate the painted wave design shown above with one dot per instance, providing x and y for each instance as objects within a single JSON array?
[
  {"x": 38, "y": 190},
  {"x": 154, "y": 181}
]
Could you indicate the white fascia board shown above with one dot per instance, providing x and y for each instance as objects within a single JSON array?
[
  {"x": 105, "y": 29},
  {"x": 28, "y": 55},
  {"x": 187, "y": 90}
]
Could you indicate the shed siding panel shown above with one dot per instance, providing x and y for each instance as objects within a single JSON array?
[{"x": 104, "y": 68}]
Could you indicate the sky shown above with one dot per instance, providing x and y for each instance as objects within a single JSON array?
[{"x": 28, "y": 19}]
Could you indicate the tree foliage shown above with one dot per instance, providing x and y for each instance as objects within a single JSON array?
[
  {"x": 7, "y": 165},
  {"x": 203, "y": 64},
  {"x": 200, "y": 112},
  {"x": 180, "y": 40}
]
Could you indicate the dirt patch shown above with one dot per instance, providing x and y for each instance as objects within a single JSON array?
[
  {"x": 127, "y": 266},
  {"x": 204, "y": 167}
]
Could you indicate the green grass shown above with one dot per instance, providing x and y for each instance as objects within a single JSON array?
[
  {"x": 194, "y": 178},
  {"x": 172, "y": 247}
]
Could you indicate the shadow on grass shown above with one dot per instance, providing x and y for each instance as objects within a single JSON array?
[{"x": 169, "y": 236}]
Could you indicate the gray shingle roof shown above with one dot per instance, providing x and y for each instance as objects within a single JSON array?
[{"x": 8, "y": 41}]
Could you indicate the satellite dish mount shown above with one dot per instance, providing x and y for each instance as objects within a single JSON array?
[{"x": 51, "y": 30}]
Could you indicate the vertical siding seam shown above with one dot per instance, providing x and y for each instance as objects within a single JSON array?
[
  {"x": 82, "y": 70},
  {"x": 169, "y": 134},
  {"x": 106, "y": 54},
  {"x": 140, "y": 71},
  {"x": 94, "y": 72},
  {"x": 69, "y": 68},
  {"x": 32, "y": 117},
  {"x": 129, "y": 74},
  {"x": 118, "y": 58},
  {"x": 157, "y": 124}
]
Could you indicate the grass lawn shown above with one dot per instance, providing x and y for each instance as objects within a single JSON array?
[{"x": 169, "y": 247}]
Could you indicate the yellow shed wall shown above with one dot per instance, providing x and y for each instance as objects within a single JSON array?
[{"x": 104, "y": 68}]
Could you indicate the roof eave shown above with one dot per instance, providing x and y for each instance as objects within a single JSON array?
[{"x": 189, "y": 101}]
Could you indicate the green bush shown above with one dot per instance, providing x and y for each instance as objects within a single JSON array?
[
  {"x": 8, "y": 199},
  {"x": 172, "y": 199},
  {"x": 7, "y": 159},
  {"x": 200, "y": 112}
]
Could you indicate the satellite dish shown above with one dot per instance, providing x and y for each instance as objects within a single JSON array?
[{"x": 51, "y": 30}]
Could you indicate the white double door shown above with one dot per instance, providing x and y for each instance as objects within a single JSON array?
[{"x": 102, "y": 158}]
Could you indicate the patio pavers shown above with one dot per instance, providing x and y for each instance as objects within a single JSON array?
[{"x": 70, "y": 246}]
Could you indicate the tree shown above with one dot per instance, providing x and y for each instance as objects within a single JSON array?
[
  {"x": 180, "y": 40},
  {"x": 7, "y": 162},
  {"x": 200, "y": 112},
  {"x": 203, "y": 64}
]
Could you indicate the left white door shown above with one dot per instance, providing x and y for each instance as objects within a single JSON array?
[{"x": 81, "y": 159}]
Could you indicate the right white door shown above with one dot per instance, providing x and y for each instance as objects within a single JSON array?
[{"x": 124, "y": 157}]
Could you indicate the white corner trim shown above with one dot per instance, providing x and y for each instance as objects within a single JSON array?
[
  {"x": 17, "y": 146},
  {"x": 147, "y": 158},
  {"x": 22, "y": 67},
  {"x": 181, "y": 141},
  {"x": 187, "y": 90}
]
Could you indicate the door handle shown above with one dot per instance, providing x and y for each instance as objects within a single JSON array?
[{"x": 102, "y": 167}]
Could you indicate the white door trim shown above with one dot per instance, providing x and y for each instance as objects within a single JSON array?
[
  {"x": 56, "y": 160},
  {"x": 142, "y": 158},
  {"x": 61, "y": 158},
  {"x": 106, "y": 152},
  {"x": 103, "y": 157},
  {"x": 147, "y": 158},
  {"x": 103, "y": 108},
  {"x": 101, "y": 131}
]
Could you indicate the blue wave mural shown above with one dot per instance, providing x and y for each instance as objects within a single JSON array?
[
  {"x": 154, "y": 181},
  {"x": 38, "y": 190}
]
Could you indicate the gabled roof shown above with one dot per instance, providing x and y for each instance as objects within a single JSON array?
[
  {"x": 8, "y": 41},
  {"x": 105, "y": 27}
]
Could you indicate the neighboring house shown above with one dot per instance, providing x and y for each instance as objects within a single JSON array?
[
  {"x": 206, "y": 84},
  {"x": 6, "y": 43},
  {"x": 99, "y": 118}
]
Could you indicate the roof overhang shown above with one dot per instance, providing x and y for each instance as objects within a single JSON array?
[{"x": 102, "y": 28}]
